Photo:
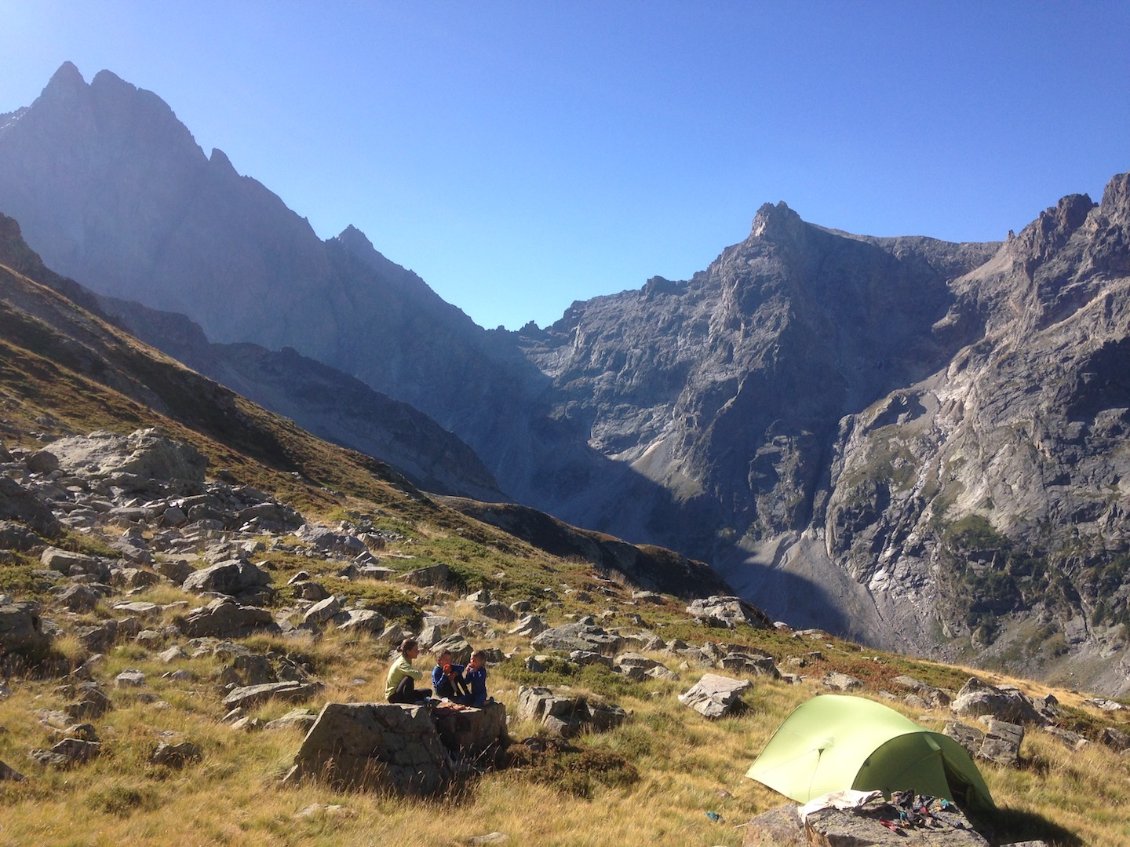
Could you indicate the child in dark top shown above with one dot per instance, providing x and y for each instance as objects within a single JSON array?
[
  {"x": 476, "y": 677},
  {"x": 447, "y": 677}
]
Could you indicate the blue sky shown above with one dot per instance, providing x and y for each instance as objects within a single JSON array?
[{"x": 522, "y": 155}]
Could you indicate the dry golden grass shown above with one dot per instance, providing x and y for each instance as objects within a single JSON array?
[{"x": 687, "y": 766}]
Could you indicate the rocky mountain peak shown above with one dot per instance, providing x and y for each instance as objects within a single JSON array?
[
  {"x": 1047, "y": 235},
  {"x": 65, "y": 82},
  {"x": 219, "y": 159},
  {"x": 1116, "y": 200},
  {"x": 776, "y": 222},
  {"x": 355, "y": 241}
]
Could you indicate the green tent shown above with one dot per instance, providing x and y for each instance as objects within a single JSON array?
[{"x": 834, "y": 742}]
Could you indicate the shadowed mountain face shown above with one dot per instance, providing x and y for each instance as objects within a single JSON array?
[
  {"x": 910, "y": 441},
  {"x": 325, "y": 401}
]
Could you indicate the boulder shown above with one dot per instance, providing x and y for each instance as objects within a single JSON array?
[
  {"x": 782, "y": 827},
  {"x": 1008, "y": 704},
  {"x": 363, "y": 620},
  {"x": 626, "y": 661},
  {"x": 728, "y": 612},
  {"x": 17, "y": 537},
  {"x": 579, "y": 636},
  {"x": 225, "y": 618},
  {"x": 375, "y": 746},
  {"x": 327, "y": 541},
  {"x": 933, "y": 697},
  {"x": 75, "y": 564},
  {"x": 90, "y": 701},
  {"x": 249, "y": 669},
  {"x": 498, "y": 612},
  {"x": 175, "y": 571},
  {"x": 132, "y": 578},
  {"x": 714, "y": 696},
  {"x": 268, "y": 516},
  {"x": 967, "y": 736},
  {"x": 42, "y": 462},
  {"x": 311, "y": 591},
  {"x": 145, "y": 454},
  {"x": 19, "y": 504},
  {"x": 129, "y": 679},
  {"x": 252, "y": 695},
  {"x": 841, "y": 682},
  {"x": 98, "y": 639},
  {"x": 1071, "y": 739},
  {"x": 1115, "y": 739},
  {"x": 529, "y": 626},
  {"x": 301, "y": 719},
  {"x": 234, "y": 577},
  {"x": 564, "y": 714},
  {"x": 322, "y": 612},
  {"x": 9, "y": 774},
  {"x": 67, "y": 753},
  {"x": 21, "y": 629},
  {"x": 758, "y": 664},
  {"x": 175, "y": 755},
  {"x": 472, "y": 733},
  {"x": 455, "y": 644},
  {"x": 588, "y": 657},
  {"x": 1002, "y": 742},
  {"x": 434, "y": 575}
]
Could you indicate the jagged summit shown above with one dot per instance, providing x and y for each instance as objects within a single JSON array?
[
  {"x": 354, "y": 239},
  {"x": 772, "y": 221},
  {"x": 66, "y": 78},
  {"x": 1116, "y": 199},
  {"x": 219, "y": 159}
]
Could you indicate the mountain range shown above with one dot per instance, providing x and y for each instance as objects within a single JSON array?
[{"x": 916, "y": 443}]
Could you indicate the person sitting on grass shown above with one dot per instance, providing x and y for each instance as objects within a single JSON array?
[
  {"x": 447, "y": 677},
  {"x": 476, "y": 677},
  {"x": 399, "y": 686}
]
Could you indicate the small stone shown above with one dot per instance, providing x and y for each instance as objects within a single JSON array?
[{"x": 130, "y": 679}]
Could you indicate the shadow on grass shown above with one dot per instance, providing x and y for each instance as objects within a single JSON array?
[{"x": 1009, "y": 826}]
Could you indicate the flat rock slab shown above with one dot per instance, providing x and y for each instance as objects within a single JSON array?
[
  {"x": 252, "y": 695},
  {"x": 782, "y": 827},
  {"x": 714, "y": 696},
  {"x": 375, "y": 746}
]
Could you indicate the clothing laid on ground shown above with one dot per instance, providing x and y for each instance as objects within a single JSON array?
[
  {"x": 477, "y": 679},
  {"x": 401, "y": 669},
  {"x": 444, "y": 685}
]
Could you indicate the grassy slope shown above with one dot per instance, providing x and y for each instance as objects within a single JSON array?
[{"x": 686, "y": 766}]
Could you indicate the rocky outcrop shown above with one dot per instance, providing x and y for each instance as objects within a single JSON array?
[
  {"x": 225, "y": 618},
  {"x": 21, "y": 630},
  {"x": 782, "y": 827},
  {"x": 564, "y": 714},
  {"x": 715, "y": 696},
  {"x": 375, "y": 746},
  {"x": 137, "y": 459}
]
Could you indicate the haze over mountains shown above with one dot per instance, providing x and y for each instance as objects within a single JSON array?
[{"x": 917, "y": 443}]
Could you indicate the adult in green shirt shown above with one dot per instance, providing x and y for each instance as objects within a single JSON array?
[{"x": 399, "y": 686}]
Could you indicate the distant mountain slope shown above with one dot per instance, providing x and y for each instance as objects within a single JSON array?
[
  {"x": 321, "y": 399},
  {"x": 65, "y": 370},
  {"x": 327, "y": 402}
]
